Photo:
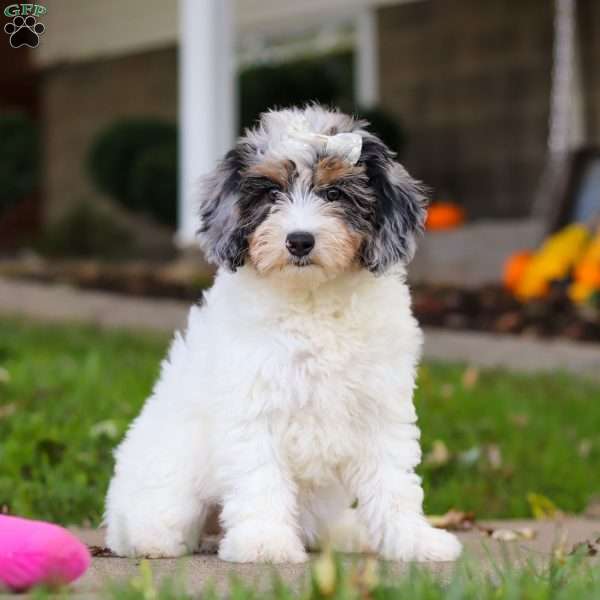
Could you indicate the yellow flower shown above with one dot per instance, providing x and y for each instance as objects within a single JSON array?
[
  {"x": 580, "y": 291},
  {"x": 554, "y": 260}
]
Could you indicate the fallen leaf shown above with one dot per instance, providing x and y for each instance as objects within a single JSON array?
[
  {"x": 519, "y": 419},
  {"x": 438, "y": 456},
  {"x": 7, "y": 410},
  {"x": 470, "y": 377},
  {"x": 456, "y": 520},
  {"x": 108, "y": 428},
  {"x": 447, "y": 390},
  {"x": 584, "y": 448},
  {"x": 101, "y": 551},
  {"x": 542, "y": 507},
  {"x": 527, "y": 533},
  {"x": 511, "y": 535},
  {"x": 494, "y": 456},
  {"x": 505, "y": 535}
]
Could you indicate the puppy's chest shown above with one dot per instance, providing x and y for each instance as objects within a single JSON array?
[{"x": 325, "y": 371}]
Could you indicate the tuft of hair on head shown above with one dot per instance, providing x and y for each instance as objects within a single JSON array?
[{"x": 400, "y": 208}]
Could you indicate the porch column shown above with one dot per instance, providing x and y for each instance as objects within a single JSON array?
[
  {"x": 366, "y": 61},
  {"x": 207, "y": 106}
]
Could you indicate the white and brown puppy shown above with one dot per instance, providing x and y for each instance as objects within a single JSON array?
[{"x": 290, "y": 394}]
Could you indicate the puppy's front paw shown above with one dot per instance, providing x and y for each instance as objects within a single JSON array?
[
  {"x": 437, "y": 545},
  {"x": 257, "y": 541},
  {"x": 416, "y": 540}
]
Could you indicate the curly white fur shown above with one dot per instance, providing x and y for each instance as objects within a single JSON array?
[{"x": 284, "y": 405}]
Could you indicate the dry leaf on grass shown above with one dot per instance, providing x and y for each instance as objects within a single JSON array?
[
  {"x": 438, "y": 456},
  {"x": 447, "y": 391},
  {"x": 4, "y": 375},
  {"x": 7, "y": 410},
  {"x": 494, "y": 456},
  {"x": 454, "y": 520},
  {"x": 584, "y": 448},
  {"x": 542, "y": 507},
  {"x": 470, "y": 377}
]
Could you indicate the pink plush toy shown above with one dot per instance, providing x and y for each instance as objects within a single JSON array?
[{"x": 35, "y": 553}]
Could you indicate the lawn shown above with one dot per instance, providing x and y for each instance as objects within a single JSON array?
[{"x": 67, "y": 394}]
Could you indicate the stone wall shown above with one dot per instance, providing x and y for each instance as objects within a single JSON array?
[
  {"x": 470, "y": 79},
  {"x": 80, "y": 99}
]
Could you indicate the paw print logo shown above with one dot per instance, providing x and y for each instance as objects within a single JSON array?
[{"x": 24, "y": 31}]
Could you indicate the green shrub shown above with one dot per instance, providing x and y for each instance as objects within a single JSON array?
[
  {"x": 328, "y": 79},
  {"x": 114, "y": 160},
  {"x": 153, "y": 182},
  {"x": 86, "y": 231},
  {"x": 19, "y": 158}
]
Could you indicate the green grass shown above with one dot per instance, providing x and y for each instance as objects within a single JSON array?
[
  {"x": 570, "y": 578},
  {"x": 67, "y": 394}
]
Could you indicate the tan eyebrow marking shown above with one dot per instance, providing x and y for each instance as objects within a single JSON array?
[
  {"x": 279, "y": 172},
  {"x": 332, "y": 169}
]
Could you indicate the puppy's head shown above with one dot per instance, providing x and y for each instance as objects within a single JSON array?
[{"x": 295, "y": 196}]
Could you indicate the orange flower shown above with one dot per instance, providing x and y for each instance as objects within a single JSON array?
[
  {"x": 444, "y": 215},
  {"x": 514, "y": 268}
]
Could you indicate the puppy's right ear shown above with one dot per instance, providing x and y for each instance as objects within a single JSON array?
[{"x": 220, "y": 234}]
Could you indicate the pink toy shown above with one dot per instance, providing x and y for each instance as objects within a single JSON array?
[{"x": 35, "y": 553}]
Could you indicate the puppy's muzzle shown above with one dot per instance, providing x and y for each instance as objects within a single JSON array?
[{"x": 300, "y": 243}]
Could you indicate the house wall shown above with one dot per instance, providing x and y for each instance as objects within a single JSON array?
[
  {"x": 78, "y": 100},
  {"x": 589, "y": 27},
  {"x": 471, "y": 81}
]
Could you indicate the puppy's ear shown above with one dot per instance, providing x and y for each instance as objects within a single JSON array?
[
  {"x": 221, "y": 233},
  {"x": 400, "y": 209}
]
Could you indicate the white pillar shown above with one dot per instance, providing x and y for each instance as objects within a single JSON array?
[
  {"x": 207, "y": 106},
  {"x": 366, "y": 61}
]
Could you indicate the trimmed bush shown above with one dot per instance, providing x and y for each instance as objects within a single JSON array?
[
  {"x": 114, "y": 160},
  {"x": 153, "y": 182},
  {"x": 19, "y": 158}
]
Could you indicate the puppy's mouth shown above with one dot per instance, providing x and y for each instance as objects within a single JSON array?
[{"x": 300, "y": 261}]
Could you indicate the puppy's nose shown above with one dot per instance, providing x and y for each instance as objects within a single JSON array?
[{"x": 300, "y": 243}]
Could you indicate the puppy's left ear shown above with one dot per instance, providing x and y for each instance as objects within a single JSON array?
[
  {"x": 221, "y": 234},
  {"x": 401, "y": 208}
]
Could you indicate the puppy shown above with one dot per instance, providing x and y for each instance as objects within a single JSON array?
[{"x": 289, "y": 397}]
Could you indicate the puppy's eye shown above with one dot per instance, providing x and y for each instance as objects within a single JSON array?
[
  {"x": 333, "y": 194},
  {"x": 273, "y": 194}
]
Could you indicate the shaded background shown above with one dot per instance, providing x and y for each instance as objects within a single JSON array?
[{"x": 472, "y": 95}]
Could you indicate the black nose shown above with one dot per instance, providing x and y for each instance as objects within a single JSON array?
[{"x": 300, "y": 243}]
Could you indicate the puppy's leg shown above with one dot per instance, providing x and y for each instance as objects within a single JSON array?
[
  {"x": 259, "y": 504},
  {"x": 156, "y": 500},
  {"x": 153, "y": 506},
  {"x": 328, "y": 521},
  {"x": 390, "y": 499}
]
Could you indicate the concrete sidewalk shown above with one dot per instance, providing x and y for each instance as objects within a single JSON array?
[{"x": 198, "y": 570}]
